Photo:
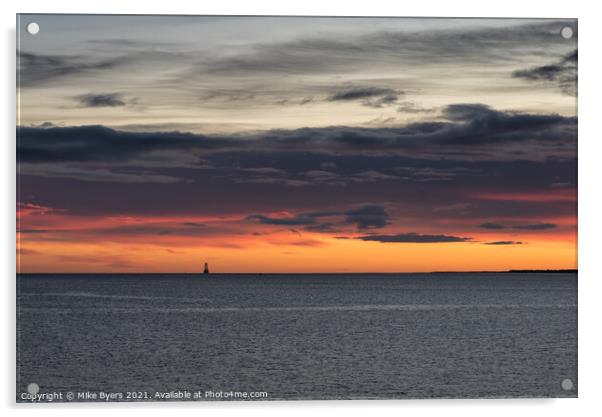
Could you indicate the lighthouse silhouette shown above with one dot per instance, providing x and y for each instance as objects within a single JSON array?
[{"x": 206, "y": 269}]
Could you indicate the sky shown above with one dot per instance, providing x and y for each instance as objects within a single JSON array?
[{"x": 294, "y": 144}]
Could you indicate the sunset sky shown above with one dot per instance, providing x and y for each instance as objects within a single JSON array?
[{"x": 278, "y": 144}]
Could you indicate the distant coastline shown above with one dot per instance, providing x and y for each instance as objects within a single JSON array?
[{"x": 547, "y": 271}]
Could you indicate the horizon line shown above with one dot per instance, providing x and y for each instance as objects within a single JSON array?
[{"x": 507, "y": 271}]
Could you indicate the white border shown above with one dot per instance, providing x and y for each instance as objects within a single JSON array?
[{"x": 589, "y": 202}]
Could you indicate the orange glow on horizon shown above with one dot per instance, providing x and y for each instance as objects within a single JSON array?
[{"x": 285, "y": 251}]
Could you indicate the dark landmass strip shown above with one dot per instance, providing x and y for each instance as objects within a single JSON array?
[{"x": 547, "y": 271}]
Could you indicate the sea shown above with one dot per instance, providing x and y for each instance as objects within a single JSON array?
[{"x": 296, "y": 337}]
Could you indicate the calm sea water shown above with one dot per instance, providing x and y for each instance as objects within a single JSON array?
[{"x": 300, "y": 336}]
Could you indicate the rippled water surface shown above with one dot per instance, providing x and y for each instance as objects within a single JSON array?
[{"x": 300, "y": 336}]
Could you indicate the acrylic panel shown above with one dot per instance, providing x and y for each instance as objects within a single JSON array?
[{"x": 215, "y": 208}]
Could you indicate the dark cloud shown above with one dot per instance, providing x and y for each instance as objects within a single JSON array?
[
  {"x": 537, "y": 226},
  {"x": 572, "y": 57},
  {"x": 300, "y": 220},
  {"x": 473, "y": 125},
  {"x": 481, "y": 124},
  {"x": 369, "y": 96},
  {"x": 544, "y": 72},
  {"x": 492, "y": 226},
  {"x": 413, "y": 238},
  {"x": 38, "y": 69},
  {"x": 356, "y": 93},
  {"x": 504, "y": 242},
  {"x": 368, "y": 217},
  {"x": 563, "y": 73},
  {"x": 472, "y": 131},
  {"x": 219, "y": 181},
  {"x": 94, "y": 169},
  {"x": 101, "y": 100},
  {"x": 99, "y": 143}
]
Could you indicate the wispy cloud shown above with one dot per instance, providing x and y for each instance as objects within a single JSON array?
[
  {"x": 537, "y": 226},
  {"x": 534, "y": 226},
  {"x": 38, "y": 69},
  {"x": 321, "y": 55},
  {"x": 414, "y": 238},
  {"x": 368, "y": 96},
  {"x": 100, "y": 100},
  {"x": 562, "y": 73},
  {"x": 504, "y": 242}
]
